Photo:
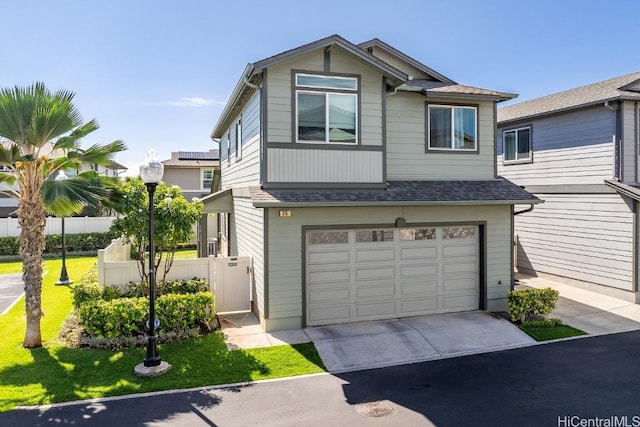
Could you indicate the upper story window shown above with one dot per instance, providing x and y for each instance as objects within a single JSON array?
[
  {"x": 207, "y": 178},
  {"x": 516, "y": 145},
  {"x": 452, "y": 128},
  {"x": 326, "y": 109}
]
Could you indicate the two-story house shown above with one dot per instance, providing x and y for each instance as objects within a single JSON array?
[
  {"x": 363, "y": 185},
  {"x": 192, "y": 171},
  {"x": 578, "y": 150}
]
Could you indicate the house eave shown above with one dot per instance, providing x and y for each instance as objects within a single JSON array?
[
  {"x": 284, "y": 204},
  {"x": 624, "y": 189}
]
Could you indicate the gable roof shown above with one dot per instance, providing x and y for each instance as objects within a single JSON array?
[
  {"x": 406, "y": 58},
  {"x": 193, "y": 159},
  {"x": 623, "y": 87}
]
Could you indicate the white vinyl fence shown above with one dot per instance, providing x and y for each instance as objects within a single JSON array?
[
  {"x": 115, "y": 267},
  {"x": 72, "y": 225}
]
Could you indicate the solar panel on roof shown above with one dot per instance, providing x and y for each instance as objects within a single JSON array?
[{"x": 197, "y": 155}]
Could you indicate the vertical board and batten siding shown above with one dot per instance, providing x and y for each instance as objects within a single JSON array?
[
  {"x": 315, "y": 165},
  {"x": 188, "y": 179},
  {"x": 399, "y": 64},
  {"x": 579, "y": 236},
  {"x": 571, "y": 148},
  {"x": 286, "y": 253},
  {"x": 629, "y": 142},
  {"x": 407, "y": 158},
  {"x": 249, "y": 235},
  {"x": 245, "y": 171}
]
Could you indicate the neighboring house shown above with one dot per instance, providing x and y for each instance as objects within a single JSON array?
[
  {"x": 192, "y": 171},
  {"x": 8, "y": 205},
  {"x": 578, "y": 150},
  {"x": 363, "y": 185}
]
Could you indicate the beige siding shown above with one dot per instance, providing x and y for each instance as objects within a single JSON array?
[
  {"x": 406, "y": 141},
  {"x": 248, "y": 240},
  {"x": 279, "y": 89},
  {"x": 286, "y": 258},
  {"x": 279, "y": 95},
  {"x": 335, "y": 166},
  {"x": 185, "y": 178},
  {"x": 629, "y": 135},
  {"x": 399, "y": 64},
  {"x": 246, "y": 170},
  {"x": 580, "y": 236}
]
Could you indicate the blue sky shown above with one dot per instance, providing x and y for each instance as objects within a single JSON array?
[{"x": 156, "y": 74}]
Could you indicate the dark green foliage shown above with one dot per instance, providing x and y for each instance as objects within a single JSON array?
[
  {"x": 542, "y": 323},
  {"x": 82, "y": 242},
  {"x": 527, "y": 303}
]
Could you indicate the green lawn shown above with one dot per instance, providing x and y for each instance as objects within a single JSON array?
[
  {"x": 55, "y": 373},
  {"x": 552, "y": 333}
]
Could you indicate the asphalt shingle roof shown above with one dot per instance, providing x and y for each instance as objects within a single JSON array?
[
  {"x": 430, "y": 86},
  {"x": 620, "y": 87},
  {"x": 495, "y": 191}
]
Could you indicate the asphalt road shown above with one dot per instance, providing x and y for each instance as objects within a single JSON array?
[
  {"x": 557, "y": 384},
  {"x": 11, "y": 288}
]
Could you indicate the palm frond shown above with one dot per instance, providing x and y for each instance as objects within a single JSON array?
[
  {"x": 71, "y": 141},
  {"x": 99, "y": 154},
  {"x": 9, "y": 154}
]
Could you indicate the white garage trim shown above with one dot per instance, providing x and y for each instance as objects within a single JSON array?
[{"x": 383, "y": 272}]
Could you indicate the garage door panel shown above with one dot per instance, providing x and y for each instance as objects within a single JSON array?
[
  {"x": 412, "y": 271},
  {"x": 329, "y": 295},
  {"x": 418, "y": 270},
  {"x": 364, "y": 273},
  {"x": 417, "y": 288},
  {"x": 332, "y": 314},
  {"x": 420, "y": 252},
  {"x": 378, "y": 310},
  {"x": 329, "y": 257},
  {"x": 419, "y": 306},
  {"x": 342, "y": 274},
  {"x": 457, "y": 303},
  {"x": 376, "y": 291},
  {"x": 459, "y": 251},
  {"x": 459, "y": 267},
  {"x": 375, "y": 255}
]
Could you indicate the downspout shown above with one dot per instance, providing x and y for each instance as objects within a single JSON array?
[
  {"x": 529, "y": 209},
  {"x": 259, "y": 89}
]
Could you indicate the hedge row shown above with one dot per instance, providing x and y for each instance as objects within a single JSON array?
[
  {"x": 81, "y": 242},
  {"x": 128, "y": 316},
  {"x": 525, "y": 304}
]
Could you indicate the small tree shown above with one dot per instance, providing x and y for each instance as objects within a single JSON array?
[{"x": 174, "y": 218}]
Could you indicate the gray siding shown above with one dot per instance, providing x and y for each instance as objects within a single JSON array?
[
  {"x": 406, "y": 141},
  {"x": 286, "y": 253},
  {"x": 248, "y": 238},
  {"x": 579, "y": 236},
  {"x": 330, "y": 166},
  {"x": 399, "y": 64},
  {"x": 246, "y": 170},
  {"x": 572, "y": 148},
  {"x": 629, "y": 142}
]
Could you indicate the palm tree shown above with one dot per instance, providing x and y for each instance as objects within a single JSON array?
[{"x": 42, "y": 131}]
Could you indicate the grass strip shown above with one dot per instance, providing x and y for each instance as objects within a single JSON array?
[
  {"x": 56, "y": 373},
  {"x": 552, "y": 332}
]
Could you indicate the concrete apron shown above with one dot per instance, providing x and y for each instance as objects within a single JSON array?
[{"x": 365, "y": 345}]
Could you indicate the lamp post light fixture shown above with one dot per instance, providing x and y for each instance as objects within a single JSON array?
[
  {"x": 64, "y": 277},
  {"x": 151, "y": 173}
]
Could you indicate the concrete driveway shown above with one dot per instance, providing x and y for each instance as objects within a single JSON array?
[
  {"x": 365, "y": 345},
  {"x": 11, "y": 289}
]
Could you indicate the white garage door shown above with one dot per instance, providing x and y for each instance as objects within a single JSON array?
[{"x": 366, "y": 274}]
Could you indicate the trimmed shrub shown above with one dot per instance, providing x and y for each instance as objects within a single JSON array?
[
  {"x": 178, "y": 314},
  {"x": 190, "y": 286},
  {"x": 83, "y": 242},
  {"x": 9, "y": 246},
  {"x": 526, "y": 303},
  {"x": 542, "y": 323}
]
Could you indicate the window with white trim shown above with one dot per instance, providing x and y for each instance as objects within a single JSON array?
[
  {"x": 516, "y": 145},
  {"x": 207, "y": 178},
  {"x": 326, "y": 109},
  {"x": 452, "y": 128}
]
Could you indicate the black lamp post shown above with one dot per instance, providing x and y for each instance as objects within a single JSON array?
[
  {"x": 151, "y": 173},
  {"x": 64, "y": 277}
]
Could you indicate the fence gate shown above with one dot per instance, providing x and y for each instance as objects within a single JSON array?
[{"x": 232, "y": 284}]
